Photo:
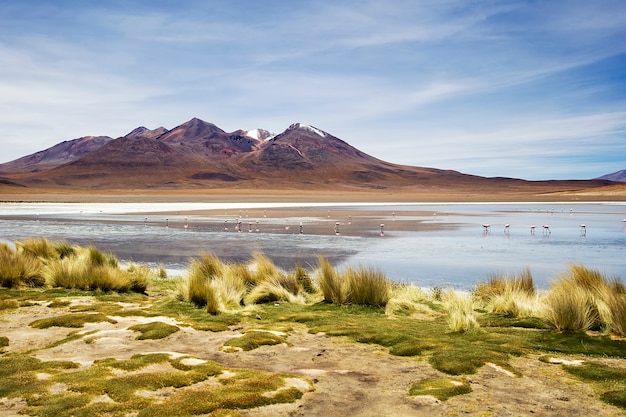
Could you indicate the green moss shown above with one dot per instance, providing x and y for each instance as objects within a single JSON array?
[
  {"x": 254, "y": 339},
  {"x": 9, "y": 304},
  {"x": 154, "y": 330},
  {"x": 441, "y": 388},
  {"x": 135, "y": 362},
  {"x": 71, "y": 320},
  {"x": 609, "y": 382}
]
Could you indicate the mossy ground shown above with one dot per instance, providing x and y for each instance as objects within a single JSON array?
[{"x": 70, "y": 388}]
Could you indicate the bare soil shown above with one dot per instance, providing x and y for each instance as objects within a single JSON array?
[{"x": 349, "y": 378}]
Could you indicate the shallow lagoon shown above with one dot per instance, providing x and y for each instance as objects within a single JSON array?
[{"x": 425, "y": 244}]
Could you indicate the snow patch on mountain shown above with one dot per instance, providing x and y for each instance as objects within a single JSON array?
[
  {"x": 259, "y": 134},
  {"x": 309, "y": 128}
]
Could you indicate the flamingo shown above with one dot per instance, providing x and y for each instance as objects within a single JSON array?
[
  {"x": 546, "y": 229},
  {"x": 186, "y": 224},
  {"x": 532, "y": 229},
  {"x": 506, "y": 228},
  {"x": 382, "y": 232},
  {"x": 583, "y": 229},
  {"x": 486, "y": 226},
  {"x": 337, "y": 228}
]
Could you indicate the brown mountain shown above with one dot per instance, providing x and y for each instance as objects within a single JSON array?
[
  {"x": 147, "y": 133},
  {"x": 59, "y": 154},
  {"x": 200, "y": 155},
  {"x": 204, "y": 139}
]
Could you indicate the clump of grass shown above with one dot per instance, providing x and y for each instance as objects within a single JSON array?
[
  {"x": 367, "y": 286},
  {"x": 584, "y": 299},
  {"x": 220, "y": 287},
  {"x": 305, "y": 281},
  {"x": 4, "y": 341},
  {"x": 98, "y": 258},
  {"x": 510, "y": 296},
  {"x": 279, "y": 288},
  {"x": 461, "y": 316},
  {"x": 213, "y": 285},
  {"x": 407, "y": 300},
  {"x": 262, "y": 269},
  {"x": 441, "y": 388},
  {"x": 154, "y": 330},
  {"x": 90, "y": 269},
  {"x": 9, "y": 304},
  {"x": 38, "y": 248},
  {"x": 617, "y": 304},
  {"x": 17, "y": 269},
  {"x": 330, "y": 284}
]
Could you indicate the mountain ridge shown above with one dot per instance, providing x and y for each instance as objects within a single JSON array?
[{"x": 199, "y": 154}]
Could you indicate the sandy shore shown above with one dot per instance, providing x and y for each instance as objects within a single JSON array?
[{"x": 15, "y": 194}]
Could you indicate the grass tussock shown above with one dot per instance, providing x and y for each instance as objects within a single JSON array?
[
  {"x": 514, "y": 296},
  {"x": 461, "y": 315},
  {"x": 330, "y": 284},
  {"x": 18, "y": 269},
  {"x": 220, "y": 287},
  {"x": 409, "y": 300},
  {"x": 367, "y": 286},
  {"x": 361, "y": 285},
  {"x": 40, "y": 263},
  {"x": 584, "y": 299}
]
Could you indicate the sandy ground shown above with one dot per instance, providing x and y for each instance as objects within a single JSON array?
[
  {"x": 615, "y": 192},
  {"x": 350, "y": 379}
]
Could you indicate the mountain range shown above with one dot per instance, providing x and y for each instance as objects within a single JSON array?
[{"x": 198, "y": 154}]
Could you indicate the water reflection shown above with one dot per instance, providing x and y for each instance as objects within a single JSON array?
[{"x": 426, "y": 244}]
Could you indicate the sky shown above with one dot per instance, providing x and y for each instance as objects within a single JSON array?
[{"x": 528, "y": 89}]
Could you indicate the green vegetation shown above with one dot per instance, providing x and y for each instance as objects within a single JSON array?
[
  {"x": 609, "y": 382},
  {"x": 39, "y": 263},
  {"x": 71, "y": 320},
  {"x": 154, "y": 330},
  {"x": 461, "y": 316},
  {"x": 584, "y": 299},
  {"x": 129, "y": 385},
  {"x": 441, "y": 388},
  {"x": 255, "y": 338},
  {"x": 457, "y": 333}
]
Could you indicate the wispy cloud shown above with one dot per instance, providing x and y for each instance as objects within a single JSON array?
[{"x": 515, "y": 88}]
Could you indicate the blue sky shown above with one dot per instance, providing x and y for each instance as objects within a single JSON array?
[{"x": 524, "y": 89}]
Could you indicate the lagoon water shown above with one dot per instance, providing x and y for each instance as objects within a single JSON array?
[{"x": 425, "y": 244}]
